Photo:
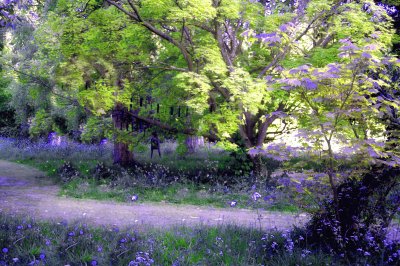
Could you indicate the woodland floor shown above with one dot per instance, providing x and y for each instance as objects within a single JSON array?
[{"x": 26, "y": 191}]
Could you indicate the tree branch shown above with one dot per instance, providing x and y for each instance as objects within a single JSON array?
[
  {"x": 40, "y": 81},
  {"x": 186, "y": 131},
  {"x": 136, "y": 16}
]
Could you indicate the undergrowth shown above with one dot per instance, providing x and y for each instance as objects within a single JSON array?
[{"x": 27, "y": 242}]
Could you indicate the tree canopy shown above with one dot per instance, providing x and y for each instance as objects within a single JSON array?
[{"x": 229, "y": 63}]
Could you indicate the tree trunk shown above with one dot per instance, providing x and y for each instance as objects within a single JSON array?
[
  {"x": 121, "y": 155},
  {"x": 194, "y": 142}
]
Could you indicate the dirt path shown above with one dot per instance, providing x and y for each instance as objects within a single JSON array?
[{"x": 26, "y": 191}]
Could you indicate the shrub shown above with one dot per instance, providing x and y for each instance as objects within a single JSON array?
[
  {"x": 67, "y": 172},
  {"x": 96, "y": 129},
  {"x": 41, "y": 124},
  {"x": 358, "y": 222}
]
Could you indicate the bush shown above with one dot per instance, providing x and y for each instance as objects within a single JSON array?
[
  {"x": 41, "y": 124},
  {"x": 67, "y": 172},
  {"x": 358, "y": 221},
  {"x": 96, "y": 129},
  {"x": 102, "y": 172}
]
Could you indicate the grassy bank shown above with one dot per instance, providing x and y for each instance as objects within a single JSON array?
[{"x": 26, "y": 242}]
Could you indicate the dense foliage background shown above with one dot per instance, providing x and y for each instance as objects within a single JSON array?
[{"x": 242, "y": 73}]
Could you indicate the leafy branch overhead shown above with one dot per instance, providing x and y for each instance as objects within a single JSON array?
[{"x": 207, "y": 55}]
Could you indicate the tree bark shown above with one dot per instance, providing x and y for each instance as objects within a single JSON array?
[
  {"x": 121, "y": 155},
  {"x": 194, "y": 142}
]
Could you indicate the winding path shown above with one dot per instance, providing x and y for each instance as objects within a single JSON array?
[{"x": 26, "y": 191}]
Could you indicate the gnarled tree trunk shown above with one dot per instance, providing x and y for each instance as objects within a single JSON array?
[{"x": 121, "y": 155}]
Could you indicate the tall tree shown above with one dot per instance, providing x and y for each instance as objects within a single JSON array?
[
  {"x": 220, "y": 58},
  {"x": 226, "y": 51}
]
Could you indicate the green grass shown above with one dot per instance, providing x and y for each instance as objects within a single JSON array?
[
  {"x": 50, "y": 166},
  {"x": 175, "y": 193},
  {"x": 52, "y": 243},
  {"x": 49, "y": 159}
]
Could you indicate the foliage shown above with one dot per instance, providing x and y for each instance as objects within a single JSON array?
[
  {"x": 67, "y": 172},
  {"x": 202, "y": 56},
  {"x": 348, "y": 103},
  {"x": 96, "y": 129},
  {"x": 244, "y": 71},
  {"x": 41, "y": 124},
  {"x": 7, "y": 113},
  {"x": 24, "y": 240}
]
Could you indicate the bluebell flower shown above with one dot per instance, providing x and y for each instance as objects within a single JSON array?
[
  {"x": 135, "y": 197},
  {"x": 255, "y": 196},
  {"x": 94, "y": 263},
  {"x": 5, "y": 250},
  {"x": 34, "y": 262},
  {"x": 42, "y": 256}
]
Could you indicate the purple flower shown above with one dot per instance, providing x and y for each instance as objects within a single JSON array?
[
  {"x": 293, "y": 82},
  {"x": 5, "y": 250},
  {"x": 135, "y": 197},
  {"x": 256, "y": 196},
  {"x": 309, "y": 84},
  {"x": 42, "y": 256},
  {"x": 94, "y": 263},
  {"x": 366, "y": 55},
  {"x": 47, "y": 242},
  {"x": 81, "y": 232},
  {"x": 99, "y": 249},
  {"x": 350, "y": 47},
  {"x": 71, "y": 233},
  {"x": 34, "y": 262},
  {"x": 269, "y": 198}
]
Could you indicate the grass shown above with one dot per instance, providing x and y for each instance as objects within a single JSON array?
[
  {"x": 176, "y": 193},
  {"x": 56, "y": 243},
  {"x": 24, "y": 241},
  {"x": 84, "y": 158}
]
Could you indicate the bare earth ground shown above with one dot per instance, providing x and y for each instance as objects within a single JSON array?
[{"x": 27, "y": 192}]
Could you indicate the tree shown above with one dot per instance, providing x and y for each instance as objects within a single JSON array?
[
  {"x": 224, "y": 53},
  {"x": 220, "y": 59},
  {"x": 354, "y": 103}
]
